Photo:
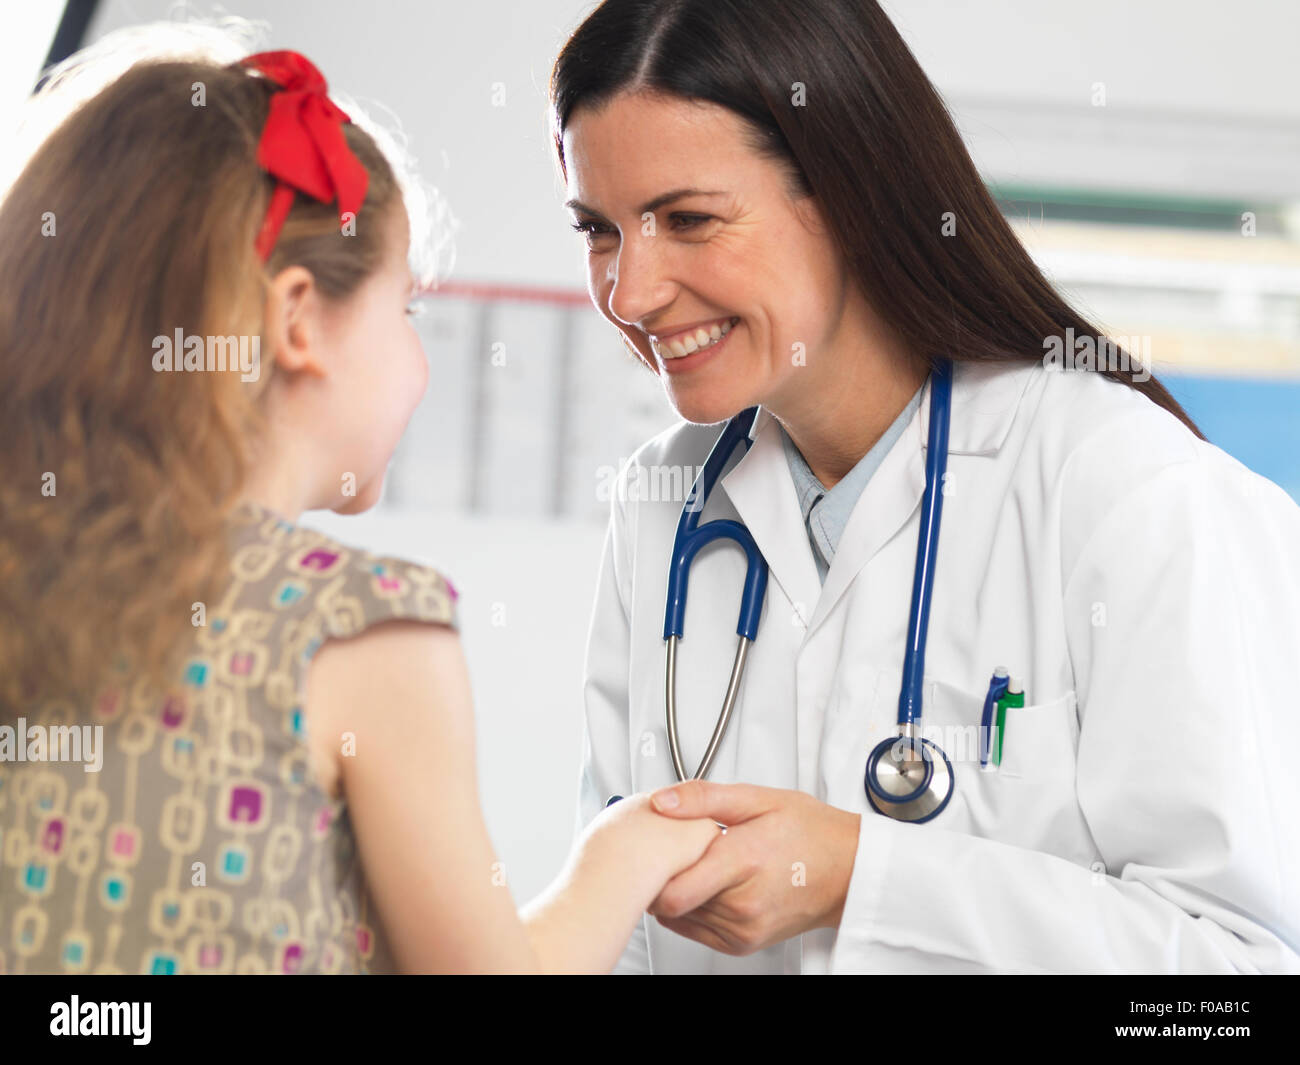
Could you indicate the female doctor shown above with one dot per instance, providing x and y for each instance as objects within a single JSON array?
[{"x": 780, "y": 215}]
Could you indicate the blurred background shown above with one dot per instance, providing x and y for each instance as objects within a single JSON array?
[{"x": 1148, "y": 155}]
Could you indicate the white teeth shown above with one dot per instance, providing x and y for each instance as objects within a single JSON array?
[{"x": 689, "y": 343}]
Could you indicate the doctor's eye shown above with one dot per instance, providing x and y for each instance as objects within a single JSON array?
[
  {"x": 590, "y": 229},
  {"x": 689, "y": 221}
]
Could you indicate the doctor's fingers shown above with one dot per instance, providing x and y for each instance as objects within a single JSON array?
[
  {"x": 723, "y": 941},
  {"x": 725, "y": 865},
  {"x": 726, "y": 803}
]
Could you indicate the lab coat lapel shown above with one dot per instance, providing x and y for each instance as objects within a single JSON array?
[
  {"x": 760, "y": 488},
  {"x": 887, "y": 501},
  {"x": 985, "y": 398}
]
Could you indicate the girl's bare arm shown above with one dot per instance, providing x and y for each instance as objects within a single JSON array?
[{"x": 402, "y": 690}]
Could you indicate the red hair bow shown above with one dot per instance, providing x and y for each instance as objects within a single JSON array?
[{"x": 302, "y": 144}]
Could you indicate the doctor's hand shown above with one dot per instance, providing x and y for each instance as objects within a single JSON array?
[{"x": 782, "y": 867}]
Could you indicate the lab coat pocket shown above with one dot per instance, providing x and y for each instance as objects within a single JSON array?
[
  {"x": 1029, "y": 799},
  {"x": 1043, "y": 736}
]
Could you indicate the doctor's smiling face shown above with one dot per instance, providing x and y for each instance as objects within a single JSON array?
[{"x": 719, "y": 275}]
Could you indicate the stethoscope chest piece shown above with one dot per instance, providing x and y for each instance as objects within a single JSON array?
[{"x": 908, "y": 779}]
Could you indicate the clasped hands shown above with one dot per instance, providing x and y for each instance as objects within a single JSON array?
[{"x": 782, "y": 867}]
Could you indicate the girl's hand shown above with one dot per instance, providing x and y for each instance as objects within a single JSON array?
[
  {"x": 621, "y": 863},
  {"x": 633, "y": 850}
]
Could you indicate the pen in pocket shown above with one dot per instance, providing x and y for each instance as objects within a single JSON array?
[
  {"x": 1014, "y": 696},
  {"x": 997, "y": 688}
]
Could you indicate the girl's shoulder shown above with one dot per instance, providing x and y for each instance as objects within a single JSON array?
[{"x": 318, "y": 587}]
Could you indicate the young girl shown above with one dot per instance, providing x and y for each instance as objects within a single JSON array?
[{"x": 203, "y": 290}]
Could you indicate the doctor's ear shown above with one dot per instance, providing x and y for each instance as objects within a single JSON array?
[
  {"x": 808, "y": 209},
  {"x": 292, "y": 326}
]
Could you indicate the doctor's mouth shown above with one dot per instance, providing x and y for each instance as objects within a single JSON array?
[{"x": 682, "y": 349}]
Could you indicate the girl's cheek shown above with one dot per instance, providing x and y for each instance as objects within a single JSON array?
[
  {"x": 421, "y": 369},
  {"x": 410, "y": 385}
]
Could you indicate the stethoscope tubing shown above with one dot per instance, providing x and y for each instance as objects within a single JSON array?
[
  {"x": 927, "y": 545},
  {"x": 690, "y": 537}
]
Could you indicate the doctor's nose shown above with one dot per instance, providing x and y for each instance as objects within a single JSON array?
[{"x": 640, "y": 286}]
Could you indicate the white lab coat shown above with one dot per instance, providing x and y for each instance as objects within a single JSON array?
[{"x": 1143, "y": 585}]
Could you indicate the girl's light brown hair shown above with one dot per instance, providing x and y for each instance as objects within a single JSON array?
[{"x": 135, "y": 218}]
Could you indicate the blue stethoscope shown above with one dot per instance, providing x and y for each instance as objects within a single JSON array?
[{"x": 908, "y": 778}]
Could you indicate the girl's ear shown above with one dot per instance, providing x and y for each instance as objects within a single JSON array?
[{"x": 293, "y": 329}]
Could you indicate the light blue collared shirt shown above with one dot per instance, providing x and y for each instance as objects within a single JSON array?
[{"x": 825, "y": 513}]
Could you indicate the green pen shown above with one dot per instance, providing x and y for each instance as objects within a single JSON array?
[{"x": 1015, "y": 696}]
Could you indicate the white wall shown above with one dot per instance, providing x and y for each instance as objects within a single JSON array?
[
  {"x": 1014, "y": 71},
  {"x": 525, "y": 594},
  {"x": 1177, "y": 56}
]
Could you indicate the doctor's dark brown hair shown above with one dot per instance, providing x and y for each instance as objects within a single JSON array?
[{"x": 872, "y": 140}]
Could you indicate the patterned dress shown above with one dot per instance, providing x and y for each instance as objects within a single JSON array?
[{"x": 202, "y": 843}]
